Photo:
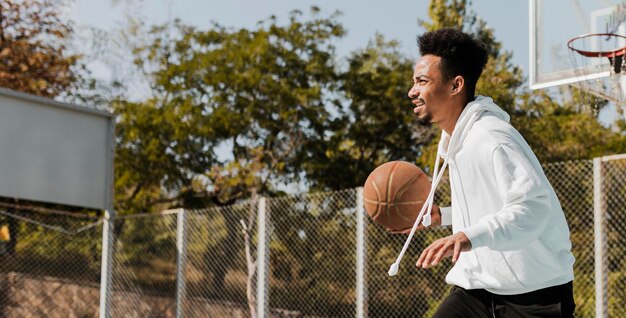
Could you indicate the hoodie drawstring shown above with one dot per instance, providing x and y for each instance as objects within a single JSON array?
[{"x": 455, "y": 139}]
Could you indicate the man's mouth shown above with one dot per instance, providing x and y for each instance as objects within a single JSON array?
[{"x": 418, "y": 107}]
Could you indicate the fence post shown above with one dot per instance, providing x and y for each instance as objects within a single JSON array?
[
  {"x": 262, "y": 283},
  {"x": 106, "y": 261},
  {"x": 361, "y": 257},
  {"x": 106, "y": 265},
  {"x": 599, "y": 235},
  {"x": 181, "y": 260}
]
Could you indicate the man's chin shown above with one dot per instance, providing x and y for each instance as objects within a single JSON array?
[{"x": 424, "y": 121}]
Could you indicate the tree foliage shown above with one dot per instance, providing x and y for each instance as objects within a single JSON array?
[
  {"x": 33, "y": 54},
  {"x": 565, "y": 131},
  {"x": 259, "y": 95},
  {"x": 375, "y": 125},
  {"x": 230, "y": 115}
]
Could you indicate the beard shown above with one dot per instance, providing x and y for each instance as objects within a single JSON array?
[{"x": 425, "y": 121}]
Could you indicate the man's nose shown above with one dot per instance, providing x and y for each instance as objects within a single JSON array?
[{"x": 413, "y": 92}]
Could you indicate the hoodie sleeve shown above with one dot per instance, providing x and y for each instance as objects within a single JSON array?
[
  {"x": 526, "y": 209},
  {"x": 446, "y": 215}
]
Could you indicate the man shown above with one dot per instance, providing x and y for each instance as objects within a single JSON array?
[{"x": 510, "y": 248}]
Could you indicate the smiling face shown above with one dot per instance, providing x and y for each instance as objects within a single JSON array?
[{"x": 436, "y": 99}]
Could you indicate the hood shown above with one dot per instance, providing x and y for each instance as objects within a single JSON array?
[{"x": 448, "y": 145}]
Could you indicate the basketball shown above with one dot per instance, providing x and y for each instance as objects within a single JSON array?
[{"x": 394, "y": 193}]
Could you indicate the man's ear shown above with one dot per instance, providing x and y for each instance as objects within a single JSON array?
[{"x": 457, "y": 84}]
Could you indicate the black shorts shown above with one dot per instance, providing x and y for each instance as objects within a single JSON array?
[{"x": 555, "y": 301}]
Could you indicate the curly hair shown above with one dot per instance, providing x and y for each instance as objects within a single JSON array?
[{"x": 460, "y": 53}]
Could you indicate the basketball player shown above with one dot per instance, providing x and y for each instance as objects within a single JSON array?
[{"x": 510, "y": 248}]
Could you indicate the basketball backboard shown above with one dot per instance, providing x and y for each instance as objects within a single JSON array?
[
  {"x": 54, "y": 152},
  {"x": 553, "y": 23}
]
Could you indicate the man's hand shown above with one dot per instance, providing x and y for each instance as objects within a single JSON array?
[
  {"x": 435, "y": 220},
  {"x": 448, "y": 246}
]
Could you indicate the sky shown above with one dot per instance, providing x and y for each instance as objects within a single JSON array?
[{"x": 395, "y": 19}]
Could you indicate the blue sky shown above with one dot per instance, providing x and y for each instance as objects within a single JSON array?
[{"x": 395, "y": 19}]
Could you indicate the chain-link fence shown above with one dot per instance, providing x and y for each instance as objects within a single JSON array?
[
  {"x": 49, "y": 264},
  {"x": 613, "y": 207},
  {"x": 573, "y": 183},
  {"x": 309, "y": 255}
]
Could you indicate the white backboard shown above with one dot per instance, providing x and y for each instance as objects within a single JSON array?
[
  {"x": 553, "y": 23},
  {"x": 55, "y": 152}
]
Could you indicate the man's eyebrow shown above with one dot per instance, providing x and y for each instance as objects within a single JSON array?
[{"x": 421, "y": 76}]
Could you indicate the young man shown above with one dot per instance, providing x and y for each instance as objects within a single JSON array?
[{"x": 510, "y": 248}]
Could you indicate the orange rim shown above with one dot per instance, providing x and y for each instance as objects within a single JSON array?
[{"x": 613, "y": 53}]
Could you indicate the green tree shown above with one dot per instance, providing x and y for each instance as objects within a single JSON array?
[
  {"x": 375, "y": 123},
  {"x": 565, "y": 131},
  {"x": 446, "y": 14},
  {"x": 259, "y": 94},
  {"x": 158, "y": 151},
  {"x": 33, "y": 48}
]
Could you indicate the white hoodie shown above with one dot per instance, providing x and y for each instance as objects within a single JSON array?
[{"x": 503, "y": 202}]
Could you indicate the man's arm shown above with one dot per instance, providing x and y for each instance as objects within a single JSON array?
[{"x": 527, "y": 205}]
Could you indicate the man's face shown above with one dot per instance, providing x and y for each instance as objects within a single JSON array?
[{"x": 430, "y": 93}]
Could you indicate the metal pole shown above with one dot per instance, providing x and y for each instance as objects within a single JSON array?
[
  {"x": 361, "y": 255},
  {"x": 533, "y": 38},
  {"x": 181, "y": 260},
  {"x": 599, "y": 241},
  {"x": 106, "y": 266},
  {"x": 263, "y": 263}
]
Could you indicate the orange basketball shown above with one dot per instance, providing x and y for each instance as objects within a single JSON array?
[{"x": 394, "y": 194}]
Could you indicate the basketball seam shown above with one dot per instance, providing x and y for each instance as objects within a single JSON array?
[
  {"x": 392, "y": 204},
  {"x": 401, "y": 191},
  {"x": 375, "y": 214},
  {"x": 389, "y": 183},
  {"x": 405, "y": 187}
]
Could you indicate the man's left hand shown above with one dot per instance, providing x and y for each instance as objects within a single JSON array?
[{"x": 448, "y": 246}]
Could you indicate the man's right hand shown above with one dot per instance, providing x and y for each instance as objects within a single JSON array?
[{"x": 435, "y": 221}]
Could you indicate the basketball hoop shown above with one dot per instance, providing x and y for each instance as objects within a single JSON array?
[
  {"x": 615, "y": 55},
  {"x": 599, "y": 59}
]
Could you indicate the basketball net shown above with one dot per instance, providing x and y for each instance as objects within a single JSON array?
[{"x": 599, "y": 63}]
